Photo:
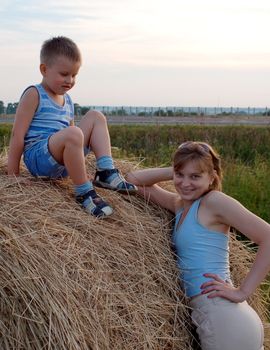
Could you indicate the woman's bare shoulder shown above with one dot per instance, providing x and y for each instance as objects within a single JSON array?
[{"x": 215, "y": 197}]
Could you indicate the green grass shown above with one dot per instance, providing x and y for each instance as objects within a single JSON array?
[
  {"x": 250, "y": 185},
  {"x": 5, "y": 132},
  {"x": 157, "y": 143},
  {"x": 245, "y": 151}
]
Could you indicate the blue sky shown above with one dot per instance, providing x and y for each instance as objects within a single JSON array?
[{"x": 145, "y": 52}]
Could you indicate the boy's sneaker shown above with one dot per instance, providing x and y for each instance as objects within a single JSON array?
[
  {"x": 94, "y": 204},
  {"x": 111, "y": 179}
]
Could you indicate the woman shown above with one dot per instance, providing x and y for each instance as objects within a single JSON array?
[{"x": 204, "y": 215}]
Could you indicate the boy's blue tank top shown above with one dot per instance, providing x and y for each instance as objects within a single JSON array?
[
  {"x": 199, "y": 251},
  {"x": 48, "y": 118}
]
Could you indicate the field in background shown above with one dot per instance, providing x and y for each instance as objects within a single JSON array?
[
  {"x": 189, "y": 119},
  {"x": 5, "y": 131},
  {"x": 245, "y": 152}
]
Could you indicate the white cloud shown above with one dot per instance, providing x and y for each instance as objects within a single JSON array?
[{"x": 122, "y": 36}]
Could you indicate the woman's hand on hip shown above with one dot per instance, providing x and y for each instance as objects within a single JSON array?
[{"x": 217, "y": 287}]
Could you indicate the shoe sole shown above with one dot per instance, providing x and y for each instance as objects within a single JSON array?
[{"x": 109, "y": 187}]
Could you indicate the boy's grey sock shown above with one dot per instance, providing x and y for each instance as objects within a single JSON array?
[
  {"x": 105, "y": 162},
  {"x": 84, "y": 188}
]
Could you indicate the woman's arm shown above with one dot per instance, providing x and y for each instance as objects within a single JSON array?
[
  {"x": 24, "y": 115},
  {"x": 147, "y": 179},
  {"x": 231, "y": 212}
]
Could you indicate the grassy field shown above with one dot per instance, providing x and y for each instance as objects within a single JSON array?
[
  {"x": 157, "y": 143},
  {"x": 5, "y": 130},
  {"x": 245, "y": 152}
]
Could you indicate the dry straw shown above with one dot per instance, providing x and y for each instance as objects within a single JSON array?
[{"x": 70, "y": 281}]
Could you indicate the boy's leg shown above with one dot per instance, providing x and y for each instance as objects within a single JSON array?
[
  {"x": 66, "y": 146},
  {"x": 96, "y": 133},
  {"x": 97, "y": 138}
]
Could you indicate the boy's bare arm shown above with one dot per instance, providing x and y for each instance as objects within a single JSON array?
[{"x": 24, "y": 115}]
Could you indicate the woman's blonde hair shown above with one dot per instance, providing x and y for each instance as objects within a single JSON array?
[{"x": 207, "y": 159}]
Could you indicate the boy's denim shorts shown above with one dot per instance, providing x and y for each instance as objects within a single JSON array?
[{"x": 40, "y": 162}]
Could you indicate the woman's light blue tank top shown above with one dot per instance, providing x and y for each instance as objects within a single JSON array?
[
  {"x": 199, "y": 251},
  {"x": 48, "y": 118}
]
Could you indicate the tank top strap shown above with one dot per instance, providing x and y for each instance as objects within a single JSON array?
[{"x": 194, "y": 209}]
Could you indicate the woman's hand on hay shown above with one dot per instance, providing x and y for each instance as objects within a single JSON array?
[{"x": 220, "y": 288}]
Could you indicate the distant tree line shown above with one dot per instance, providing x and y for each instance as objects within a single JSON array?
[{"x": 11, "y": 108}]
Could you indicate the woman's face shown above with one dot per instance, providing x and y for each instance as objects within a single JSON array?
[{"x": 191, "y": 182}]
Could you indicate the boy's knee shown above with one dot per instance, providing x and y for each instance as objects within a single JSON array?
[
  {"x": 96, "y": 116},
  {"x": 75, "y": 134}
]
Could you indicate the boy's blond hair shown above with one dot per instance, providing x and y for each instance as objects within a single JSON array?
[{"x": 59, "y": 46}]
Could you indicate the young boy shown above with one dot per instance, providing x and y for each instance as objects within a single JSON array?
[{"x": 45, "y": 134}]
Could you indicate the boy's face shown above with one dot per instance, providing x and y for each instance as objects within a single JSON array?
[{"x": 59, "y": 76}]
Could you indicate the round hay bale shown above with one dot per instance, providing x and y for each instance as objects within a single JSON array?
[{"x": 71, "y": 281}]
